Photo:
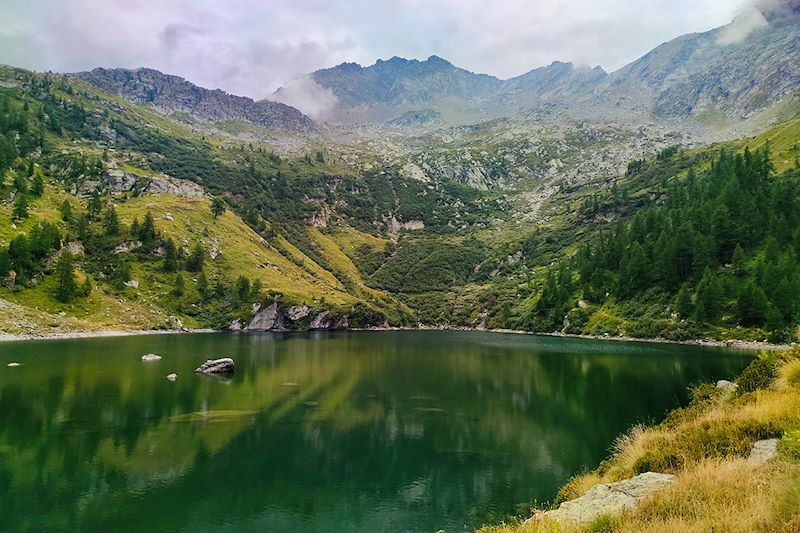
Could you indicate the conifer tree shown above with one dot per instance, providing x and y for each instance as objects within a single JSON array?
[{"x": 67, "y": 285}]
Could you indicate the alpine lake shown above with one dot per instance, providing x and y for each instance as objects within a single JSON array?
[{"x": 320, "y": 432}]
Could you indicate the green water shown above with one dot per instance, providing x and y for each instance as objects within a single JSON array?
[{"x": 344, "y": 432}]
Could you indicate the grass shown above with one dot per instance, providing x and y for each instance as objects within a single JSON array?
[
  {"x": 705, "y": 445},
  {"x": 241, "y": 250},
  {"x": 783, "y": 143}
]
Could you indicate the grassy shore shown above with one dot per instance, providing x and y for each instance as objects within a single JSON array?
[{"x": 705, "y": 445}]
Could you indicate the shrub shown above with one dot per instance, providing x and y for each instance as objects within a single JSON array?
[
  {"x": 759, "y": 374},
  {"x": 789, "y": 375}
]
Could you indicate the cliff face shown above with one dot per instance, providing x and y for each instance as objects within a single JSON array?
[{"x": 171, "y": 94}]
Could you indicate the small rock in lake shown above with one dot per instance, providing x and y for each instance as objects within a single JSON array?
[
  {"x": 151, "y": 357},
  {"x": 12, "y": 365},
  {"x": 217, "y": 366},
  {"x": 172, "y": 377}
]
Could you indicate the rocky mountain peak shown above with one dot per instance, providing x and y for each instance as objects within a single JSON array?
[{"x": 173, "y": 94}]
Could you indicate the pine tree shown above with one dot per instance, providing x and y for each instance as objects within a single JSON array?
[
  {"x": 683, "y": 302},
  {"x": 86, "y": 287},
  {"x": 66, "y": 212},
  {"x": 180, "y": 285},
  {"x": 171, "y": 263},
  {"x": 21, "y": 184},
  {"x": 217, "y": 207},
  {"x": 202, "y": 285},
  {"x": 5, "y": 263},
  {"x": 147, "y": 231},
  {"x": 37, "y": 188},
  {"x": 95, "y": 205},
  {"x": 242, "y": 288},
  {"x": 20, "y": 211},
  {"x": 65, "y": 272},
  {"x": 196, "y": 259},
  {"x": 708, "y": 302},
  {"x": 111, "y": 221},
  {"x": 752, "y": 305}
]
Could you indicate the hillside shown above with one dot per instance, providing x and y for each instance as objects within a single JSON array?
[
  {"x": 469, "y": 201},
  {"x": 335, "y": 231},
  {"x": 95, "y": 235}
]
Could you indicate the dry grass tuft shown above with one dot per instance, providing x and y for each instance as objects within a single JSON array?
[
  {"x": 721, "y": 495},
  {"x": 789, "y": 375}
]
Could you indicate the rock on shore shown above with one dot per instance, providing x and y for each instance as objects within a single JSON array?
[{"x": 607, "y": 500}]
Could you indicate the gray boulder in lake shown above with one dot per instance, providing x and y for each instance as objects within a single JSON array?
[
  {"x": 217, "y": 366},
  {"x": 151, "y": 357}
]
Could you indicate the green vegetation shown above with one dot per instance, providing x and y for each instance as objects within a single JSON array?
[
  {"x": 686, "y": 245},
  {"x": 713, "y": 253}
]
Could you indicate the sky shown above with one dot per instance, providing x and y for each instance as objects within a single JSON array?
[{"x": 252, "y": 47}]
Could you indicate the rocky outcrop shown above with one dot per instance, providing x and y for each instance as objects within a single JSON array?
[
  {"x": 172, "y": 377},
  {"x": 276, "y": 317},
  {"x": 150, "y": 357},
  {"x": 117, "y": 181},
  {"x": 173, "y": 186},
  {"x": 607, "y": 500},
  {"x": 321, "y": 321},
  {"x": 297, "y": 312},
  {"x": 267, "y": 319},
  {"x": 217, "y": 366}
]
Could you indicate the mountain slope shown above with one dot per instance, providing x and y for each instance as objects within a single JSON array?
[
  {"x": 100, "y": 224},
  {"x": 735, "y": 70},
  {"x": 171, "y": 94}
]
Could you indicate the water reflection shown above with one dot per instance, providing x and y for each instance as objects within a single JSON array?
[{"x": 319, "y": 432}]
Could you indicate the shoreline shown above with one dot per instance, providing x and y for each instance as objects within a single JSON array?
[
  {"x": 710, "y": 343},
  {"x": 98, "y": 334}
]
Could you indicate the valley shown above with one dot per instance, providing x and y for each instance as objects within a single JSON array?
[{"x": 427, "y": 196}]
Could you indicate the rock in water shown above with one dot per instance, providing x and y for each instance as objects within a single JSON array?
[
  {"x": 172, "y": 377},
  {"x": 151, "y": 357},
  {"x": 12, "y": 365},
  {"x": 217, "y": 366}
]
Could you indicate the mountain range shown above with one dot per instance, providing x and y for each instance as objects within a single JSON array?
[
  {"x": 735, "y": 71},
  {"x": 410, "y": 192},
  {"x": 717, "y": 77}
]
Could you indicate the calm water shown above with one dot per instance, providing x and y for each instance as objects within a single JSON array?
[{"x": 344, "y": 432}]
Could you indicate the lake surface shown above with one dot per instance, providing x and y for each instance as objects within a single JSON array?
[{"x": 319, "y": 432}]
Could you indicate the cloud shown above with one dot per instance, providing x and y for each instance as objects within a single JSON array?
[
  {"x": 174, "y": 36},
  {"x": 252, "y": 47},
  {"x": 742, "y": 27},
  {"x": 308, "y": 96}
]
